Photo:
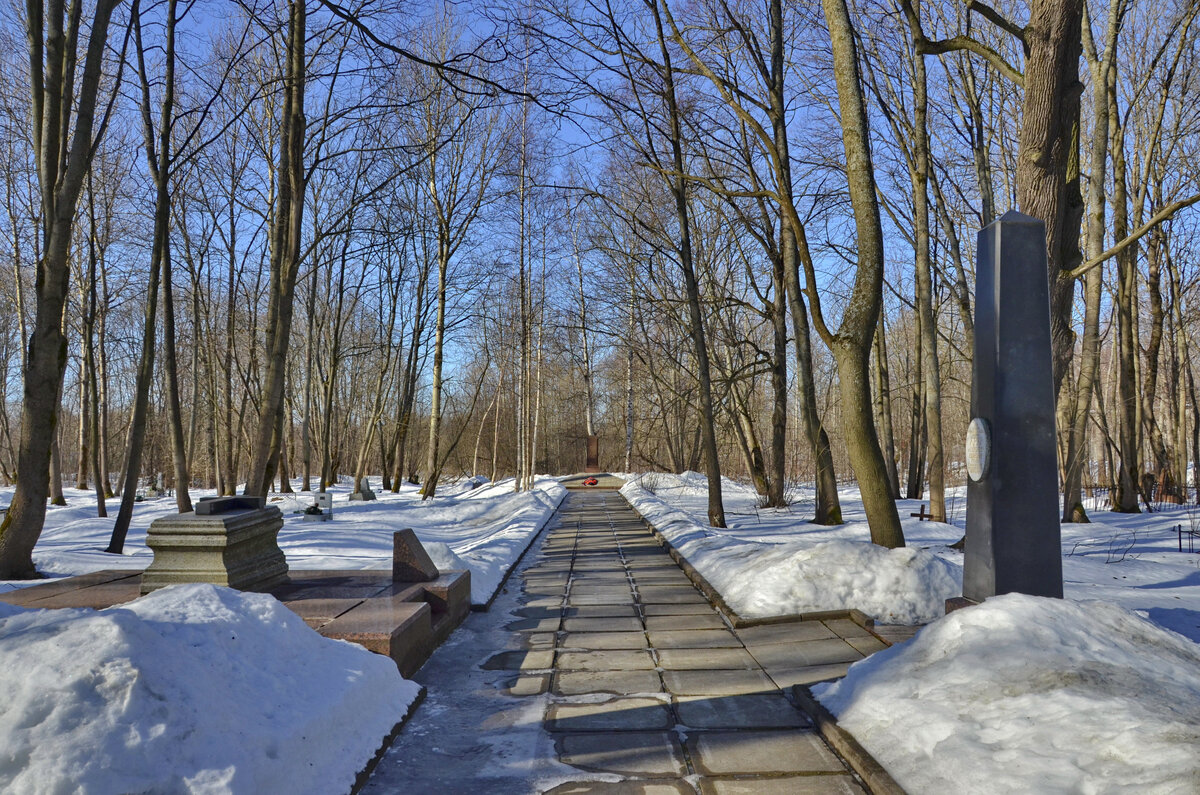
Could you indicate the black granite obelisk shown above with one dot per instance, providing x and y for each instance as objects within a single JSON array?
[{"x": 1013, "y": 536}]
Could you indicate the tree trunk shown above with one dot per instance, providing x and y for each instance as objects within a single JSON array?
[
  {"x": 1048, "y": 155},
  {"x": 158, "y": 160},
  {"x": 174, "y": 413},
  {"x": 777, "y": 482},
  {"x": 851, "y": 345},
  {"x": 285, "y": 253},
  {"x": 883, "y": 409},
  {"x": 716, "y": 507},
  {"x": 1103, "y": 78},
  {"x": 932, "y": 385},
  {"x": 429, "y": 488},
  {"x": 61, "y": 168}
]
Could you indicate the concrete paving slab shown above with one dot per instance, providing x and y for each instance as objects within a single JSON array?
[
  {"x": 534, "y": 625},
  {"x": 670, "y": 594},
  {"x": 833, "y": 784},
  {"x": 618, "y": 714},
  {"x": 708, "y": 620},
  {"x": 646, "y": 754},
  {"x": 607, "y": 660},
  {"x": 694, "y": 639},
  {"x": 705, "y": 659},
  {"x": 537, "y": 641},
  {"x": 847, "y": 628},
  {"x": 717, "y": 683},
  {"x": 809, "y": 652},
  {"x": 752, "y": 711},
  {"x": 519, "y": 661},
  {"x": 622, "y": 788},
  {"x": 688, "y": 609},
  {"x": 592, "y": 641},
  {"x": 539, "y": 612},
  {"x": 601, "y": 611},
  {"x": 528, "y": 685},
  {"x": 603, "y": 625},
  {"x": 788, "y": 751},
  {"x": 867, "y": 646},
  {"x": 578, "y": 683},
  {"x": 592, "y": 599},
  {"x": 786, "y": 677},
  {"x": 789, "y": 632}
]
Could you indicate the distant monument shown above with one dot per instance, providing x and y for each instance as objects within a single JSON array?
[
  {"x": 1013, "y": 539},
  {"x": 593, "y": 454}
]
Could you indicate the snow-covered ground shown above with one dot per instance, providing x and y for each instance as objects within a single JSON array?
[
  {"x": 484, "y": 527},
  {"x": 761, "y": 562},
  {"x": 193, "y": 688},
  {"x": 1022, "y": 694},
  {"x": 204, "y": 689}
]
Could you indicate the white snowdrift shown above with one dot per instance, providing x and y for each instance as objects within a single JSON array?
[
  {"x": 1022, "y": 694},
  {"x": 756, "y": 579},
  {"x": 191, "y": 689}
]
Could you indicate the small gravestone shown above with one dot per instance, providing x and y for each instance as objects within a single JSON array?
[
  {"x": 593, "y": 454},
  {"x": 1013, "y": 536},
  {"x": 230, "y": 541},
  {"x": 410, "y": 561},
  {"x": 322, "y": 508},
  {"x": 364, "y": 493}
]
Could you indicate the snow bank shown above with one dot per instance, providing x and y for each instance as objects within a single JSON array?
[
  {"x": 505, "y": 523},
  {"x": 1022, "y": 694},
  {"x": 191, "y": 689},
  {"x": 896, "y": 586},
  {"x": 483, "y": 528}
]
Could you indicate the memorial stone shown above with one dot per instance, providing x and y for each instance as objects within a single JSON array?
[
  {"x": 364, "y": 494},
  {"x": 1013, "y": 535},
  {"x": 410, "y": 561}
]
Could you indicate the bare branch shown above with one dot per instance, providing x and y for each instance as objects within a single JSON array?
[{"x": 1159, "y": 217}]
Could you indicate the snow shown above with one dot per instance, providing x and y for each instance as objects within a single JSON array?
[
  {"x": 1025, "y": 694},
  {"x": 193, "y": 688},
  {"x": 760, "y": 577},
  {"x": 1127, "y": 559},
  {"x": 470, "y": 524}
]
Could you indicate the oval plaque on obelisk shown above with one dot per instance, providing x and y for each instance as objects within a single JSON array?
[{"x": 979, "y": 449}]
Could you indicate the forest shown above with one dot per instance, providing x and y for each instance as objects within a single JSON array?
[{"x": 267, "y": 246}]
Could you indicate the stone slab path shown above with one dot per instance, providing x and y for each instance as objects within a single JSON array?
[{"x": 611, "y": 673}]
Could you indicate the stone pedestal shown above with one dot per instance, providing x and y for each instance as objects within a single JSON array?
[
  {"x": 366, "y": 495},
  {"x": 228, "y": 541},
  {"x": 1013, "y": 537}
]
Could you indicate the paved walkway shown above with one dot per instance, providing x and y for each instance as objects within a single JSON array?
[{"x": 618, "y": 676}]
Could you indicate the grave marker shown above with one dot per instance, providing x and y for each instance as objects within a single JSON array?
[{"x": 1013, "y": 536}]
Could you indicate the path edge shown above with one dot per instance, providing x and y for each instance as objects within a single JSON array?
[
  {"x": 364, "y": 775},
  {"x": 876, "y": 777},
  {"x": 486, "y": 606}
]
